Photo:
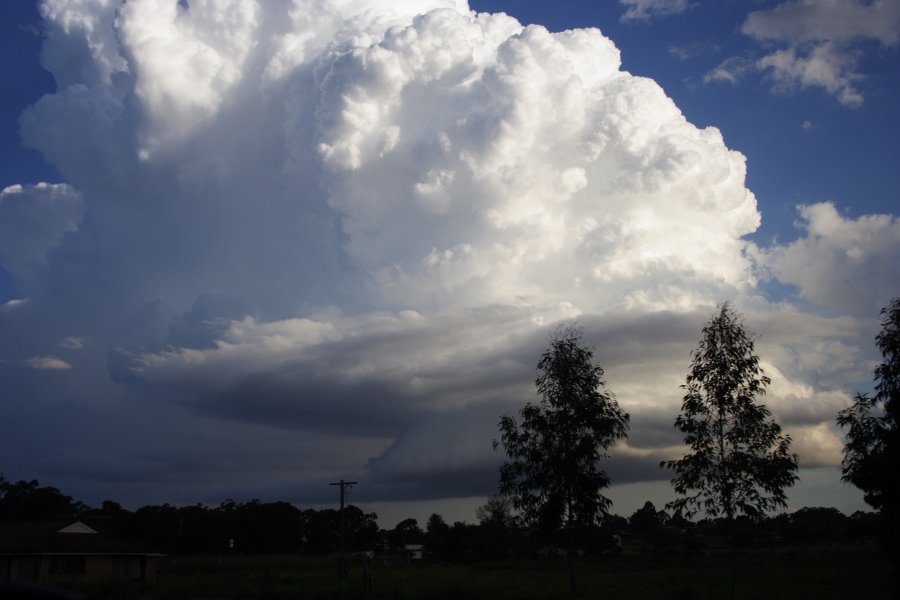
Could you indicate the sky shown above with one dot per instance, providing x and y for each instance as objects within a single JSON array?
[{"x": 251, "y": 248}]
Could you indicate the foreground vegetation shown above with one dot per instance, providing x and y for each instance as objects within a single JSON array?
[
  {"x": 281, "y": 551},
  {"x": 777, "y": 573}
]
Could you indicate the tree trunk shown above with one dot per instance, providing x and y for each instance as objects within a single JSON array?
[
  {"x": 731, "y": 527},
  {"x": 570, "y": 556}
]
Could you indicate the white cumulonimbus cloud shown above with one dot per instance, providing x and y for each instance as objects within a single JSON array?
[
  {"x": 33, "y": 221},
  {"x": 358, "y": 220}
]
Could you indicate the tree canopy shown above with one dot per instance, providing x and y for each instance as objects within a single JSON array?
[
  {"x": 870, "y": 454},
  {"x": 30, "y": 501},
  {"x": 553, "y": 473},
  {"x": 738, "y": 461},
  {"x": 872, "y": 450}
]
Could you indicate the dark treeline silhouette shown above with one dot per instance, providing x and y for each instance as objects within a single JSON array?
[
  {"x": 281, "y": 528},
  {"x": 254, "y": 527},
  {"x": 29, "y": 501}
]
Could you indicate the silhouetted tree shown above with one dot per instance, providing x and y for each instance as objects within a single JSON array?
[
  {"x": 319, "y": 530},
  {"x": 553, "y": 473},
  {"x": 405, "y": 532},
  {"x": 616, "y": 523},
  {"x": 30, "y": 501},
  {"x": 497, "y": 510},
  {"x": 738, "y": 462},
  {"x": 653, "y": 531},
  {"x": 205, "y": 529},
  {"x": 437, "y": 536},
  {"x": 460, "y": 545},
  {"x": 647, "y": 520},
  {"x": 264, "y": 527},
  {"x": 495, "y": 528},
  {"x": 862, "y": 525},
  {"x": 110, "y": 518},
  {"x": 872, "y": 452},
  {"x": 159, "y": 527},
  {"x": 436, "y": 525},
  {"x": 818, "y": 524},
  {"x": 362, "y": 528}
]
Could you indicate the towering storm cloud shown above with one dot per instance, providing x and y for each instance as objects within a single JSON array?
[{"x": 330, "y": 236}]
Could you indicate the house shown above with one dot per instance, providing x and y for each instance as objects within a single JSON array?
[
  {"x": 65, "y": 552},
  {"x": 413, "y": 551}
]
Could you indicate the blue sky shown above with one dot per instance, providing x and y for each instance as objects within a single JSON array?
[
  {"x": 21, "y": 46},
  {"x": 244, "y": 260}
]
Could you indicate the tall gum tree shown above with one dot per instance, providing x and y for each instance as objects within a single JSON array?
[
  {"x": 553, "y": 474},
  {"x": 738, "y": 460}
]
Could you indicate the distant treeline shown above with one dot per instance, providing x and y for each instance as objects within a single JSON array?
[{"x": 279, "y": 528}]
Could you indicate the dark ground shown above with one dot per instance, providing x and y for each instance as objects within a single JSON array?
[{"x": 776, "y": 573}]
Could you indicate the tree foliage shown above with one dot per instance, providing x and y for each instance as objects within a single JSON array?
[
  {"x": 496, "y": 511},
  {"x": 647, "y": 520},
  {"x": 30, "y": 501},
  {"x": 552, "y": 474},
  {"x": 871, "y": 451},
  {"x": 320, "y": 529},
  {"x": 738, "y": 461},
  {"x": 405, "y": 532}
]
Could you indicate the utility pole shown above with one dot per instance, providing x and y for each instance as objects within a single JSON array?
[{"x": 342, "y": 565}]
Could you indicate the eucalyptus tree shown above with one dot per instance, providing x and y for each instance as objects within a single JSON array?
[
  {"x": 738, "y": 462},
  {"x": 553, "y": 473}
]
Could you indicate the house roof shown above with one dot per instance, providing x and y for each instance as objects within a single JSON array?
[{"x": 66, "y": 537}]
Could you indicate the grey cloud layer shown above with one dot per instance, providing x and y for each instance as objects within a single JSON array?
[{"x": 316, "y": 238}]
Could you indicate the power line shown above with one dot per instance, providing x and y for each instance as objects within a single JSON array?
[{"x": 342, "y": 564}]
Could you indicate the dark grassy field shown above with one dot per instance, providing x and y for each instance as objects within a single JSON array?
[{"x": 783, "y": 573}]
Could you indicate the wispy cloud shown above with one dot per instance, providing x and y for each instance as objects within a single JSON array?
[
  {"x": 838, "y": 21},
  {"x": 694, "y": 50},
  {"x": 730, "y": 70},
  {"x": 645, "y": 10},
  {"x": 48, "y": 363},
  {"x": 823, "y": 43},
  {"x": 72, "y": 343}
]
